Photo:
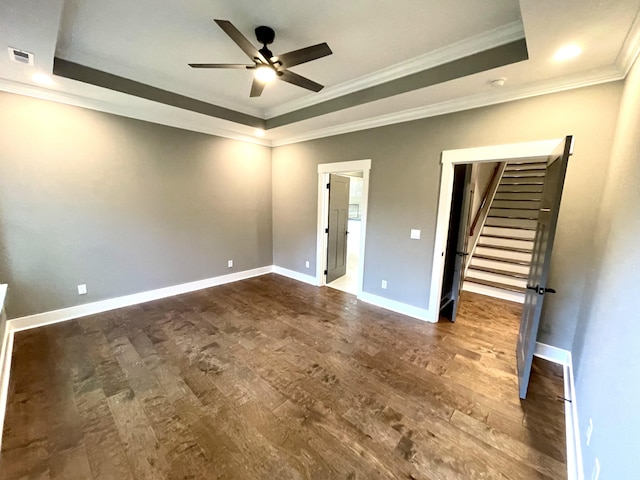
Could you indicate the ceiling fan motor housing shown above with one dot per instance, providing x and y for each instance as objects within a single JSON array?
[{"x": 265, "y": 35}]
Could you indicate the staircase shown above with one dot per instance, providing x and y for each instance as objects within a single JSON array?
[{"x": 499, "y": 265}]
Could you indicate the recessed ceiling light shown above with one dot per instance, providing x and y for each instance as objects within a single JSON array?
[
  {"x": 42, "y": 79},
  {"x": 567, "y": 52},
  {"x": 259, "y": 132},
  {"x": 265, "y": 74}
]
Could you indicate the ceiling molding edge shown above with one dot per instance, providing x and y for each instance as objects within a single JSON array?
[
  {"x": 130, "y": 74},
  {"x": 605, "y": 75},
  {"x": 493, "y": 38},
  {"x": 631, "y": 47},
  {"x": 145, "y": 114}
]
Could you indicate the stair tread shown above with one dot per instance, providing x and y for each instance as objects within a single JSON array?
[
  {"x": 505, "y": 248},
  {"x": 514, "y": 208},
  {"x": 499, "y": 285},
  {"x": 491, "y": 258},
  {"x": 526, "y": 164},
  {"x": 514, "y": 217},
  {"x": 514, "y": 227},
  {"x": 497, "y": 271},
  {"x": 505, "y": 237},
  {"x": 521, "y": 183}
]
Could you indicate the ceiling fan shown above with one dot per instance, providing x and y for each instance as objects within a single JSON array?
[{"x": 267, "y": 66}]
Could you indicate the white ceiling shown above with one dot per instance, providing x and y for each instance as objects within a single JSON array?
[{"x": 152, "y": 41}]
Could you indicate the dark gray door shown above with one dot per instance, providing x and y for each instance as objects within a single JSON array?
[
  {"x": 456, "y": 253},
  {"x": 338, "y": 222},
  {"x": 540, "y": 261}
]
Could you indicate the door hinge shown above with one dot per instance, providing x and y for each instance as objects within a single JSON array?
[
  {"x": 326, "y": 272},
  {"x": 328, "y": 186},
  {"x": 326, "y": 230}
]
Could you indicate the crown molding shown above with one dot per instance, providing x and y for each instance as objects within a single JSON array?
[
  {"x": 145, "y": 110},
  {"x": 631, "y": 47},
  {"x": 594, "y": 77},
  {"x": 490, "y": 39}
]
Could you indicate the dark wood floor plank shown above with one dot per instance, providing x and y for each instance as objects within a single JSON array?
[{"x": 271, "y": 378}]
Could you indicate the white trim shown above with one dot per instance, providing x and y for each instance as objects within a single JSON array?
[
  {"x": 485, "y": 99},
  {"x": 552, "y": 354},
  {"x": 398, "y": 307},
  {"x": 301, "y": 277},
  {"x": 631, "y": 47},
  {"x": 64, "y": 314},
  {"x": 141, "y": 109},
  {"x": 484, "y": 41},
  {"x": 324, "y": 170},
  {"x": 575, "y": 469},
  {"x": 450, "y": 158}
]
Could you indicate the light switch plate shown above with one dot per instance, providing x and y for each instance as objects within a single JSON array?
[
  {"x": 415, "y": 234},
  {"x": 82, "y": 289}
]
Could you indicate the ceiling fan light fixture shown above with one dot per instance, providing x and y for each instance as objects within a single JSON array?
[{"x": 265, "y": 74}]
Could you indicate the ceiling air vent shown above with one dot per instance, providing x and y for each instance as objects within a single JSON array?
[{"x": 20, "y": 56}]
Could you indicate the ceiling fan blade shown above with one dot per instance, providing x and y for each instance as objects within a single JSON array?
[
  {"x": 303, "y": 55},
  {"x": 220, "y": 65},
  {"x": 300, "y": 81},
  {"x": 256, "y": 88},
  {"x": 240, "y": 40}
]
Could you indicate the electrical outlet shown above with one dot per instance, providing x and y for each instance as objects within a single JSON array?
[
  {"x": 82, "y": 289},
  {"x": 384, "y": 284},
  {"x": 306, "y": 264},
  {"x": 595, "y": 473},
  {"x": 230, "y": 264},
  {"x": 415, "y": 234},
  {"x": 589, "y": 431}
]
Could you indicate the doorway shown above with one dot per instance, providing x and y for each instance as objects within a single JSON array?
[
  {"x": 343, "y": 251},
  {"x": 342, "y": 217}
]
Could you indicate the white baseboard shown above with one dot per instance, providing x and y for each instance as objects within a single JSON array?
[
  {"x": 54, "y": 316},
  {"x": 553, "y": 354},
  {"x": 301, "y": 277},
  {"x": 399, "y": 307},
  {"x": 575, "y": 470},
  {"x": 493, "y": 292}
]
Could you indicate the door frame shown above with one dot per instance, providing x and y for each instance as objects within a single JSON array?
[
  {"x": 451, "y": 158},
  {"x": 324, "y": 170}
]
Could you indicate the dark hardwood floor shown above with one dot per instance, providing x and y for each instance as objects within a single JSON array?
[{"x": 269, "y": 378}]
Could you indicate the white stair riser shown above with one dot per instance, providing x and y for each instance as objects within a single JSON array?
[
  {"x": 518, "y": 196},
  {"x": 521, "y": 180},
  {"x": 512, "y": 204},
  {"x": 528, "y": 234},
  {"x": 503, "y": 253},
  {"x": 524, "y": 173},
  {"x": 492, "y": 277},
  {"x": 510, "y": 222},
  {"x": 526, "y": 166},
  {"x": 536, "y": 189},
  {"x": 505, "y": 212},
  {"x": 504, "y": 242},
  {"x": 493, "y": 292},
  {"x": 511, "y": 267}
]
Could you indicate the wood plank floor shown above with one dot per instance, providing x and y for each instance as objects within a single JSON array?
[{"x": 269, "y": 378}]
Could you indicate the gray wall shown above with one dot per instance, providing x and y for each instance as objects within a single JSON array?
[
  {"x": 605, "y": 352},
  {"x": 122, "y": 205},
  {"x": 404, "y": 187}
]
